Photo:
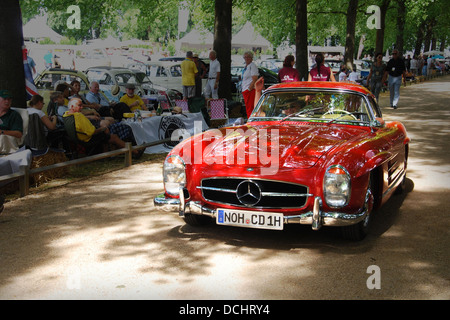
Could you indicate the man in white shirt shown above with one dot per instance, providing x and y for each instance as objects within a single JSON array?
[
  {"x": 354, "y": 75},
  {"x": 212, "y": 85},
  {"x": 413, "y": 66}
]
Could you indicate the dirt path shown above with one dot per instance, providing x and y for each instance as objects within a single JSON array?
[{"x": 102, "y": 238}]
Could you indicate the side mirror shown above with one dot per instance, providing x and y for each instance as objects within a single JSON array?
[{"x": 377, "y": 123}]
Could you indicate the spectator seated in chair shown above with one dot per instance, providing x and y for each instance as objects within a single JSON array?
[
  {"x": 86, "y": 133},
  {"x": 100, "y": 103},
  {"x": 42, "y": 130},
  {"x": 35, "y": 106},
  {"x": 88, "y": 109},
  {"x": 11, "y": 125},
  {"x": 133, "y": 101}
]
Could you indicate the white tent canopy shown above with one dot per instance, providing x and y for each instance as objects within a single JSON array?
[
  {"x": 248, "y": 38},
  {"x": 37, "y": 28},
  {"x": 109, "y": 42},
  {"x": 196, "y": 39},
  {"x": 434, "y": 53}
]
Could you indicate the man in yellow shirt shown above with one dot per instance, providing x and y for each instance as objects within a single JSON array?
[
  {"x": 188, "y": 73},
  {"x": 86, "y": 131},
  {"x": 132, "y": 100}
]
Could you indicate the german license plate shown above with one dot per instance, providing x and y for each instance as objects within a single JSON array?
[{"x": 250, "y": 219}]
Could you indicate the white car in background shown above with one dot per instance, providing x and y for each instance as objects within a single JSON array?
[
  {"x": 111, "y": 78},
  {"x": 164, "y": 73},
  {"x": 154, "y": 90}
]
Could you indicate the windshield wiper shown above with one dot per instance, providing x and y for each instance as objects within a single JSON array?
[{"x": 301, "y": 112}]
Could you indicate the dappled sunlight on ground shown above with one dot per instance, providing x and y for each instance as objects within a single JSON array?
[{"x": 103, "y": 238}]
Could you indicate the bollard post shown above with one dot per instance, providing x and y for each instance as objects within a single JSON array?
[{"x": 128, "y": 154}]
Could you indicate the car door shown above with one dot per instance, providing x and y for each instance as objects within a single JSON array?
[{"x": 158, "y": 75}]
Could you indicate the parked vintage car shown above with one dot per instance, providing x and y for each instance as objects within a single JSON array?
[
  {"x": 163, "y": 73},
  {"x": 272, "y": 64},
  {"x": 154, "y": 92},
  {"x": 45, "y": 81},
  {"x": 109, "y": 78},
  {"x": 316, "y": 153},
  {"x": 151, "y": 89}
]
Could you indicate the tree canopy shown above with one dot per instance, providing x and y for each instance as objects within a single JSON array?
[{"x": 406, "y": 21}]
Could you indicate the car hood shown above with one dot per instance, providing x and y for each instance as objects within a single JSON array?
[{"x": 292, "y": 146}]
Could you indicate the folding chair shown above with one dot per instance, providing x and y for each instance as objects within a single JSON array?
[
  {"x": 218, "y": 109},
  {"x": 93, "y": 146},
  {"x": 165, "y": 105},
  {"x": 183, "y": 104}
]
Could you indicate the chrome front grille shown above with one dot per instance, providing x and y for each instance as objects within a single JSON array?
[{"x": 255, "y": 193}]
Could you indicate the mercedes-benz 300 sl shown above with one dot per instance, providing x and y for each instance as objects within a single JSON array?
[{"x": 316, "y": 153}]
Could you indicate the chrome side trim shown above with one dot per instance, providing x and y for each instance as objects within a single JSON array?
[{"x": 396, "y": 182}]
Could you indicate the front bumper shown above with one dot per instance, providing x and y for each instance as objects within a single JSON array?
[{"x": 316, "y": 218}]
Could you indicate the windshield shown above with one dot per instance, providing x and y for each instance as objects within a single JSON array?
[
  {"x": 124, "y": 78},
  {"x": 314, "y": 106},
  {"x": 142, "y": 78}
]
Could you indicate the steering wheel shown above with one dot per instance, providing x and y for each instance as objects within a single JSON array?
[{"x": 339, "y": 111}]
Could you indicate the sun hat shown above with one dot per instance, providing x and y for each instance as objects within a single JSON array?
[
  {"x": 177, "y": 110},
  {"x": 115, "y": 90}
]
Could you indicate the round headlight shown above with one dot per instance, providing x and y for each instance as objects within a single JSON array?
[
  {"x": 174, "y": 175},
  {"x": 336, "y": 186}
]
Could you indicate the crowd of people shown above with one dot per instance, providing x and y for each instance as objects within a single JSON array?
[
  {"x": 395, "y": 72},
  {"x": 101, "y": 114},
  {"x": 193, "y": 70},
  {"x": 94, "y": 118}
]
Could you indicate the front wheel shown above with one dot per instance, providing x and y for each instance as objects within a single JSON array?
[{"x": 359, "y": 231}]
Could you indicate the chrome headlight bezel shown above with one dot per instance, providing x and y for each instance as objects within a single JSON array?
[
  {"x": 174, "y": 174},
  {"x": 336, "y": 186}
]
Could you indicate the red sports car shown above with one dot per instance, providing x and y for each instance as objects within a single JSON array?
[{"x": 316, "y": 153}]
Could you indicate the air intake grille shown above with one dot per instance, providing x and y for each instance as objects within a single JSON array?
[{"x": 256, "y": 193}]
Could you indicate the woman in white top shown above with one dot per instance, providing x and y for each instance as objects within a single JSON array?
[
  {"x": 35, "y": 106},
  {"x": 249, "y": 76}
]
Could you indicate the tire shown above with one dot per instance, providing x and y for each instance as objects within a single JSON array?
[
  {"x": 359, "y": 231},
  {"x": 401, "y": 187},
  {"x": 197, "y": 220}
]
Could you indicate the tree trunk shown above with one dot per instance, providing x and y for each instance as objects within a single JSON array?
[
  {"x": 222, "y": 44},
  {"x": 443, "y": 40},
  {"x": 350, "y": 38},
  {"x": 429, "y": 34},
  {"x": 379, "y": 42},
  {"x": 401, "y": 17},
  {"x": 12, "y": 75},
  {"x": 301, "y": 39},
  {"x": 419, "y": 39}
]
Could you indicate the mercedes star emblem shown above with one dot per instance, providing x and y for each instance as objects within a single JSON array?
[{"x": 248, "y": 193}]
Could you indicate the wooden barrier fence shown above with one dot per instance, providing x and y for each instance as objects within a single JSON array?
[{"x": 24, "y": 174}]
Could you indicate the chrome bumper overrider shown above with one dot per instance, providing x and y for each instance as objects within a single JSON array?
[{"x": 316, "y": 218}]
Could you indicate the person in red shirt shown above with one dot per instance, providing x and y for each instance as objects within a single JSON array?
[
  {"x": 288, "y": 73},
  {"x": 321, "y": 72}
]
